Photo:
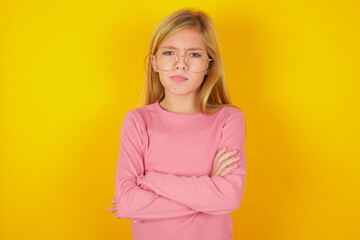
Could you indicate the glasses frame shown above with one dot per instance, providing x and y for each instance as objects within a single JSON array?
[{"x": 186, "y": 62}]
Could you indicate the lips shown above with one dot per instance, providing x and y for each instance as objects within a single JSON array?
[{"x": 178, "y": 78}]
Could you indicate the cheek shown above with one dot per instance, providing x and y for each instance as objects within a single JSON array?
[
  {"x": 163, "y": 79},
  {"x": 197, "y": 81}
]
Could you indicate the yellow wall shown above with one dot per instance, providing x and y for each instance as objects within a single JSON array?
[{"x": 70, "y": 71}]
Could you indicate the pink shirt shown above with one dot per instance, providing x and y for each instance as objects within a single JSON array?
[{"x": 163, "y": 177}]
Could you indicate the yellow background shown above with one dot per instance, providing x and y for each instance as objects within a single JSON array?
[{"x": 71, "y": 70}]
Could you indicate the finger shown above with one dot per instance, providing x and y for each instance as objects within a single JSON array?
[
  {"x": 223, "y": 158},
  {"x": 112, "y": 209},
  {"x": 218, "y": 154},
  {"x": 117, "y": 216},
  {"x": 228, "y": 169},
  {"x": 221, "y": 151},
  {"x": 113, "y": 201},
  {"x": 229, "y": 161},
  {"x": 228, "y": 154}
]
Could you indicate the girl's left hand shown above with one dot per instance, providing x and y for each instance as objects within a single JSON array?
[{"x": 113, "y": 208}]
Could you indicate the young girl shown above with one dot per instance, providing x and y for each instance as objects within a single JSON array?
[{"x": 182, "y": 164}]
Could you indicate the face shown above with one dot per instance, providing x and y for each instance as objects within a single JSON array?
[{"x": 182, "y": 40}]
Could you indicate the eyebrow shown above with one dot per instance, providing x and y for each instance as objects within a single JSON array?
[{"x": 193, "y": 48}]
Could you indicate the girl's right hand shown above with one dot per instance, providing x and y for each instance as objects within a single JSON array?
[{"x": 222, "y": 162}]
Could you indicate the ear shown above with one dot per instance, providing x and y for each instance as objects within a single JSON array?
[
  {"x": 154, "y": 64},
  {"x": 209, "y": 68}
]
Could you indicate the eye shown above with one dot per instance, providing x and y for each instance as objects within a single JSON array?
[
  {"x": 165, "y": 53},
  {"x": 197, "y": 55}
]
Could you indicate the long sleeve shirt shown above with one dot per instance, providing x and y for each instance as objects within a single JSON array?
[{"x": 164, "y": 179}]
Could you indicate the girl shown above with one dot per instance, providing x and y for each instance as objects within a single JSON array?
[{"x": 182, "y": 165}]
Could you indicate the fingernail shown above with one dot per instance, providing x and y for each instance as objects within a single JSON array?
[{"x": 224, "y": 148}]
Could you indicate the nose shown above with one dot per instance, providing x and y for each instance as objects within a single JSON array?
[{"x": 181, "y": 62}]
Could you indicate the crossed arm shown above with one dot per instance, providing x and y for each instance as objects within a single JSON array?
[{"x": 156, "y": 195}]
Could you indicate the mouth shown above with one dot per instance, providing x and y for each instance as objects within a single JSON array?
[{"x": 179, "y": 78}]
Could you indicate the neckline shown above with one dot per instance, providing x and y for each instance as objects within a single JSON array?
[{"x": 164, "y": 112}]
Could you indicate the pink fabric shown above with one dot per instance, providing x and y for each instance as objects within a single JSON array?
[{"x": 163, "y": 177}]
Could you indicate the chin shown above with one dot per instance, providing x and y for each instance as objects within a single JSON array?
[{"x": 182, "y": 91}]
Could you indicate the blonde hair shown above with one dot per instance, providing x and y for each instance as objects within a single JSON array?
[{"x": 213, "y": 94}]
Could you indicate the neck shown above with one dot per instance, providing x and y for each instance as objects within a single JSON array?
[{"x": 180, "y": 104}]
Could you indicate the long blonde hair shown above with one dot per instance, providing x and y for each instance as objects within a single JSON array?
[{"x": 213, "y": 94}]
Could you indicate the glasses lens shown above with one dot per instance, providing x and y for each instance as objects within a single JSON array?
[{"x": 195, "y": 62}]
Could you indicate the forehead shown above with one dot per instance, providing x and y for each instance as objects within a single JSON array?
[
  {"x": 187, "y": 39},
  {"x": 187, "y": 49}
]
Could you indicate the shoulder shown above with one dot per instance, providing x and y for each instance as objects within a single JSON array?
[
  {"x": 233, "y": 119},
  {"x": 132, "y": 120},
  {"x": 139, "y": 116},
  {"x": 141, "y": 112},
  {"x": 230, "y": 112},
  {"x": 133, "y": 117}
]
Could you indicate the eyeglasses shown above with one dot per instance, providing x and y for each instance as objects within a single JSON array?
[{"x": 195, "y": 62}]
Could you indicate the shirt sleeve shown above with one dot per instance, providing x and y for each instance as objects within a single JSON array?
[
  {"x": 210, "y": 194},
  {"x": 131, "y": 200}
]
